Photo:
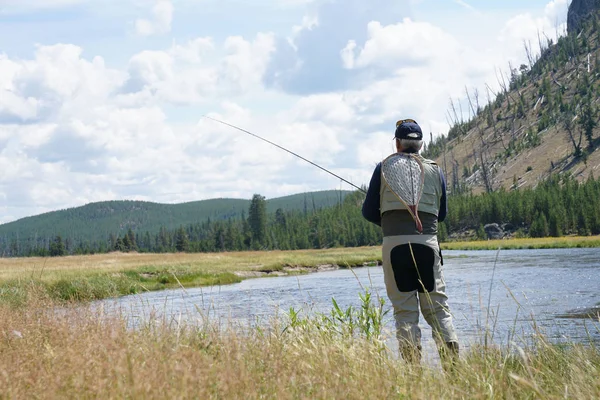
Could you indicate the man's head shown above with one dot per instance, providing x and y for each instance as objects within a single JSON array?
[{"x": 409, "y": 137}]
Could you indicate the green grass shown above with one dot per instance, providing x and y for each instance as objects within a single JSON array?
[
  {"x": 526, "y": 243},
  {"x": 86, "y": 278}
]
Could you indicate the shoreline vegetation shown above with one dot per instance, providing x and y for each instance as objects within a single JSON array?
[
  {"x": 340, "y": 354},
  {"x": 563, "y": 242},
  {"x": 100, "y": 276}
]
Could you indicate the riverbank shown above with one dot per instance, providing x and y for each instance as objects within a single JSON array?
[
  {"x": 41, "y": 357},
  {"x": 100, "y": 276},
  {"x": 94, "y": 277},
  {"x": 526, "y": 243}
]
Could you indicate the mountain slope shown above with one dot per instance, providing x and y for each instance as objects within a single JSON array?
[
  {"x": 544, "y": 121},
  {"x": 96, "y": 221}
]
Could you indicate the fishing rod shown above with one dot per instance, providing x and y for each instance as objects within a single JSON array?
[{"x": 283, "y": 148}]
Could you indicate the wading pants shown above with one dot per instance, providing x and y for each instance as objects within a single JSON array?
[{"x": 410, "y": 287}]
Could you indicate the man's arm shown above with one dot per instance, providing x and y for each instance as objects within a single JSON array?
[
  {"x": 443, "y": 201},
  {"x": 370, "y": 208}
]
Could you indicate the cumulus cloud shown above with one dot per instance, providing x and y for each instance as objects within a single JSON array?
[
  {"x": 75, "y": 128},
  {"x": 529, "y": 28},
  {"x": 160, "y": 21},
  {"x": 405, "y": 44},
  {"x": 196, "y": 71},
  {"x": 54, "y": 81},
  {"x": 310, "y": 63}
]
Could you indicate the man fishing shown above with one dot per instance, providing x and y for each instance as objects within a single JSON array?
[{"x": 411, "y": 286}]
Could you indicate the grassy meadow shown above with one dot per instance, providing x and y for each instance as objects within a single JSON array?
[{"x": 83, "y": 278}]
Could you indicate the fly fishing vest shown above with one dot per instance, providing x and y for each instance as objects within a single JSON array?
[{"x": 395, "y": 218}]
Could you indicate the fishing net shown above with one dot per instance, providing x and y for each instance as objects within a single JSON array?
[{"x": 403, "y": 174}]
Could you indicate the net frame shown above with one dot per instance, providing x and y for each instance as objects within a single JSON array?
[{"x": 404, "y": 175}]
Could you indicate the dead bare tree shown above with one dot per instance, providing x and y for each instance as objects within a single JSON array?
[
  {"x": 471, "y": 105},
  {"x": 541, "y": 44},
  {"x": 445, "y": 145},
  {"x": 504, "y": 87},
  {"x": 486, "y": 174},
  {"x": 454, "y": 116},
  {"x": 492, "y": 122},
  {"x": 456, "y": 187},
  {"x": 471, "y": 108},
  {"x": 568, "y": 121},
  {"x": 501, "y": 82},
  {"x": 457, "y": 119},
  {"x": 528, "y": 53}
]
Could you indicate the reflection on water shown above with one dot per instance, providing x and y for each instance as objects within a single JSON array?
[{"x": 541, "y": 286}]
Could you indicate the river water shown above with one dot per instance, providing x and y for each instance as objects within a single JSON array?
[{"x": 531, "y": 290}]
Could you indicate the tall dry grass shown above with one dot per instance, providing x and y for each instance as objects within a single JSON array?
[{"x": 76, "y": 353}]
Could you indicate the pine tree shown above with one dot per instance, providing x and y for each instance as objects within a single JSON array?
[
  {"x": 132, "y": 241},
  {"x": 163, "y": 241},
  {"x": 539, "y": 227},
  {"x": 119, "y": 245},
  {"x": 112, "y": 240},
  {"x": 182, "y": 242},
  {"x": 588, "y": 120},
  {"x": 555, "y": 223},
  {"x": 57, "y": 247},
  {"x": 126, "y": 243},
  {"x": 257, "y": 220},
  {"x": 280, "y": 218}
]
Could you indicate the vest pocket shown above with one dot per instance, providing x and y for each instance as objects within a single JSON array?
[{"x": 428, "y": 203}]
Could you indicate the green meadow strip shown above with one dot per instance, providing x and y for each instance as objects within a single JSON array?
[{"x": 526, "y": 243}]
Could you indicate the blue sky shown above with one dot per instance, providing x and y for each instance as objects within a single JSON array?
[{"x": 102, "y": 100}]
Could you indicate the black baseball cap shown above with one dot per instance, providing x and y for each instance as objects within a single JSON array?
[{"x": 408, "y": 129}]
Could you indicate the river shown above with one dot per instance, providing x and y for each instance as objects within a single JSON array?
[{"x": 531, "y": 290}]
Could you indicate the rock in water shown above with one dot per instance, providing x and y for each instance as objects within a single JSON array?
[{"x": 579, "y": 12}]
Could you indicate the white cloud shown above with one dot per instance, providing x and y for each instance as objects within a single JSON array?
[
  {"x": 403, "y": 44},
  {"x": 75, "y": 128},
  {"x": 194, "y": 51},
  {"x": 348, "y": 55},
  {"x": 245, "y": 62},
  {"x": 529, "y": 28},
  {"x": 54, "y": 81},
  {"x": 159, "y": 23},
  {"x": 197, "y": 71},
  {"x": 309, "y": 22},
  {"x": 88, "y": 140}
]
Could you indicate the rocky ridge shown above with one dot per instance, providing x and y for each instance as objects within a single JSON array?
[{"x": 579, "y": 12}]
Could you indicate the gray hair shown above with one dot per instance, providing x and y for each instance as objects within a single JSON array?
[{"x": 410, "y": 144}]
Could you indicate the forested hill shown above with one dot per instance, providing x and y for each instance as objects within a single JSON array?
[
  {"x": 543, "y": 122},
  {"x": 96, "y": 221}
]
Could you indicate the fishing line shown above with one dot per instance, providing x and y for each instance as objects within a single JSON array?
[{"x": 283, "y": 148}]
